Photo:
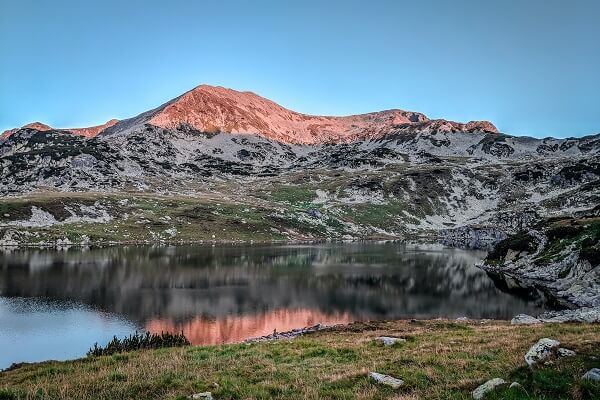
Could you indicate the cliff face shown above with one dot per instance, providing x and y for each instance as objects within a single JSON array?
[{"x": 560, "y": 257}]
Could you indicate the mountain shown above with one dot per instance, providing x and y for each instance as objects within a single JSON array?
[
  {"x": 225, "y": 165},
  {"x": 92, "y": 131},
  {"x": 213, "y": 109}
]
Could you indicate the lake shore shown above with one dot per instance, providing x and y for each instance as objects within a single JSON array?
[{"x": 438, "y": 359}]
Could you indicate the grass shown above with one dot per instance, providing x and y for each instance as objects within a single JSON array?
[{"x": 440, "y": 360}]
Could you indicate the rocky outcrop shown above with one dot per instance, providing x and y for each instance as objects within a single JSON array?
[{"x": 560, "y": 257}]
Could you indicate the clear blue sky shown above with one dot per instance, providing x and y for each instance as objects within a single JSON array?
[{"x": 532, "y": 67}]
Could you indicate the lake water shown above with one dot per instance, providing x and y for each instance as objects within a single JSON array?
[{"x": 57, "y": 304}]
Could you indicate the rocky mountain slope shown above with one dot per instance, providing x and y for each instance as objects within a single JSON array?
[
  {"x": 219, "y": 155},
  {"x": 86, "y": 132}
]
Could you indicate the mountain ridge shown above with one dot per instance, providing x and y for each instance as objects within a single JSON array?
[{"x": 215, "y": 109}]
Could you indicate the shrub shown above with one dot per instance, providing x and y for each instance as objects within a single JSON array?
[{"x": 139, "y": 341}]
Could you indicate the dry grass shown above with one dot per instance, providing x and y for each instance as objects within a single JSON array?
[{"x": 440, "y": 360}]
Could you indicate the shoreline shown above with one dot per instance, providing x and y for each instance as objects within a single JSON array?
[
  {"x": 434, "y": 358},
  {"x": 546, "y": 318}
]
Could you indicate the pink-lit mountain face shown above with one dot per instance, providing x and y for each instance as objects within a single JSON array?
[
  {"x": 86, "y": 132},
  {"x": 213, "y": 109}
]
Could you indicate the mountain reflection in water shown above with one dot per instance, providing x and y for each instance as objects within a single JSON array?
[
  {"x": 231, "y": 329},
  {"x": 226, "y": 293}
]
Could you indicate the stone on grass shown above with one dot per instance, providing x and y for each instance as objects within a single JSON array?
[
  {"x": 490, "y": 385},
  {"x": 592, "y": 375},
  {"x": 515, "y": 385},
  {"x": 202, "y": 396},
  {"x": 386, "y": 380},
  {"x": 562, "y": 352},
  {"x": 540, "y": 351},
  {"x": 524, "y": 319},
  {"x": 388, "y": 340}
]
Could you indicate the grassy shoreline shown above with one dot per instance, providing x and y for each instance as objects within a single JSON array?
[{"x": 441, "y": 359}]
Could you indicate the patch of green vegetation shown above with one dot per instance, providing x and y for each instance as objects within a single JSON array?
[
  {"x": 384, "y": 216},
  {"x": 521, "y": 241},
  {"x": 117, "y": 377},
  {"x": 582, "y": 234},
  {"x": 139, "y": 341},
  {"x": 7, "y": 394},
  {"x": 296, "y": 195}
]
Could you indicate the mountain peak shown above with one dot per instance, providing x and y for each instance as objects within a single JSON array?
[
  {"x": 216, "y": 109},
  {"x": 87, "y": 132}
]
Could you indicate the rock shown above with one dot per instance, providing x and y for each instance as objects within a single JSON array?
[
  {"x": 524, "y": 319},
  {"x": 287, "y": 335},
  {"x": 490, "y": 385},
  {"x": 202, "y": 396},
  {"x": 584, "y": 314},
  {"x": 562, "y": 352},
  {"x": 540, "y": 351},
  {"x": 386, "y": 380},
  {"x": 462, "y": 319},
  {"x": 515, "y": 385},
  {"x": 388, "y": 340},
  {"x": 592, "y": 375}
]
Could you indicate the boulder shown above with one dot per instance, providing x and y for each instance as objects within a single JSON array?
[
  {"x": 562, "y": 352},
  {"x": 541, "y": 351},
  {"x": 515, "y": 385},
  {"x": 490, "y": 385},
  {"x": 524, "y": 319},
  {"x": 386, "y": 380},
  {"x": 584, "y": 314},
  {"x": 388, "y": 340},
  {"x": 592, "y": 375},
  {"x": 202, "y": 396}
]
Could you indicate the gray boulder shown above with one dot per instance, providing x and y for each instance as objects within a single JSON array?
[
  {"x": 540, "y": 351},
  {"x": 592, "y": 375},
  {"x": 562, "y": 352},
  {"x": 388, "y": 340},
  {"x": 489, "y": 386},
  {"x": 386, "y": 380},
  {"x": 524, "y": 319},
  {"x": 202, "y": 396}
]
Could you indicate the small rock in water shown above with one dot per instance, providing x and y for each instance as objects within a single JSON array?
[
  {"x": 524, "y": 319},
  {"x": 562, "y": 352},
  {"x": 202, "y": 396},
  {"x": 487, "y": 387},
  {"x": 386, "y": 380},
  {"x": 388, "y": 340},
  {"x": 541, "y": 350},
  {"x": 592, "y": 375}
]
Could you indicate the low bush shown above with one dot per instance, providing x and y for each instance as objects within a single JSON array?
[{"x": 139, "y": 341}]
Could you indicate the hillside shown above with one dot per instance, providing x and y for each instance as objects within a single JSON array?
[{"x": 259, "y": 171}]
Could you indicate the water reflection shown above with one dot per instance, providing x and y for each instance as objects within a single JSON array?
[{"x": 227, "y": 293}]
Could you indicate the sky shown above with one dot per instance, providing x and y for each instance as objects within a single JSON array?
[{"x": 531, "y": 67}]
